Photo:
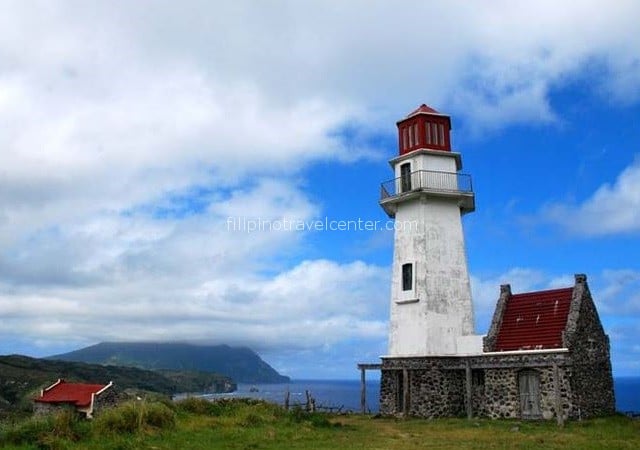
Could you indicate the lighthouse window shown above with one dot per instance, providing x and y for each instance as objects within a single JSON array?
[
  {"x": 434, "y": 134},
  {"x": 404, "y": 137},
  {"x": 441, "y": 128},
  {"x": 407, "y": 277},
  {"x": 428, "y": 128},
  {"x": 415, "y": 134},
  {"x": 405, "y": 177}
]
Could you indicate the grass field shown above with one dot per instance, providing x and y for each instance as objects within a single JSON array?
[{"x": 197, "y": 424}]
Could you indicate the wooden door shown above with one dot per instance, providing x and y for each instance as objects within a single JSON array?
[{"x": 529, "y": 384}]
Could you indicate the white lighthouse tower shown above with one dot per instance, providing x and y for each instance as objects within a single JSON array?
[{"x": 431, "y": 310}]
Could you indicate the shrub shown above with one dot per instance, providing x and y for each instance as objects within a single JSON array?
[
  {"x": 315, "y": 419},
  {"x": 196, "y": 405},
  {"x": 227, "y": 406},
  {"x": 25, "y": 432},
  {"x": 252, "y": 420},
  {"x": 49, "y": 432},
  {"x": 160, "y": 416},
  {"x": 132, "y": 417}
]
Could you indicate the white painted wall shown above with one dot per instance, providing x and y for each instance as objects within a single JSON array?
[
  {"x": 424, "y": 161},
  {"x": 431, "y": 318}
]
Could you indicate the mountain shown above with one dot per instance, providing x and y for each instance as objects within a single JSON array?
[
  {"x": 21, "y": 377},
  {"x": 240, "y": 363}
]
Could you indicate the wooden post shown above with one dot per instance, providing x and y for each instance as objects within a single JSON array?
[
  {"x": 556, "y": 389},
  {"x": 405, "y": 391},
  {"x": 469, "y": 390},
  {"x": 286, "y": 400},
  {"x": 363, "y": 383},
  {"x": 363, "y": 391}
]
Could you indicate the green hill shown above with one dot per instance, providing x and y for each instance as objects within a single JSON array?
[
  {"x": 240, "y": 363},
  {"x": 21, "y": 377}
]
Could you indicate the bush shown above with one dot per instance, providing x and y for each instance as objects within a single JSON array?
[
  {"x": 315, "y": 419},
  {"x": 49, "y": 432},
  {"x": 26, "y": 432},
  {"x": 196, "y": 405},
  {"x": 227, "y": 406},
  {"x": 132, "y": 417}
]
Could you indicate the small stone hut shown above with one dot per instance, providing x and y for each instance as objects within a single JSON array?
[
  {"x": 81, "y": 397},
  {"x": 546, "y": 355}
]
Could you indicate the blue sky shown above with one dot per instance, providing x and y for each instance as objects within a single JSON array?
[{"x": 131, "y": 133}]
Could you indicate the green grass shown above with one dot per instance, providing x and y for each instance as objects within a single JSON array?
[{"x": 250, "y": 424}]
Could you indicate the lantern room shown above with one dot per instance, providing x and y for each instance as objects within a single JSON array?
[{"x": 424, "y": 128}]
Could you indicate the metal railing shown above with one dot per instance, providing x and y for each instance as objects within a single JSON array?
[{"x": 427, "y": 180}]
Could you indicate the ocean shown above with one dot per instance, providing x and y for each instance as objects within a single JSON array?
[{"x": 344, "y": 395}]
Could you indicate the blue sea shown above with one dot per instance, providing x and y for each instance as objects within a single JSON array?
[{"x": 344, "y": 395}]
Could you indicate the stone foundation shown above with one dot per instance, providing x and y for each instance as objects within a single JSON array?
[{"x": 437, "y": 387}]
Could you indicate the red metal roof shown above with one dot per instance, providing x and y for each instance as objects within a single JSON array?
[
  {"x": 78, "y": 394},
  {"x": 534, "y": 320},
  {"x": 423, "y": 109}
]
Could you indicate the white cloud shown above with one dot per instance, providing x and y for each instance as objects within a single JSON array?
[
  {"x": 192, "y": 278},
  {"x": 613, "y": 208},
  {"x": 619, "y": 294},
  {"x": 130, "y": 131}
]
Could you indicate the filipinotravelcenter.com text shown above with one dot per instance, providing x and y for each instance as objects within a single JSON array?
[{"x": 253, "y": 224}]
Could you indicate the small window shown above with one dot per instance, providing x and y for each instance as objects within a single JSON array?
[
  {"x": 434, "y": 133},
  {"x": 441, "y": 128},
  {"x": 427, "y": 127},
  {"x": 405, "y": 177},
  {"x": 416, "y": 136},
  {"x": 407, "y": 277},
  {"x": 404, "y": 138}
]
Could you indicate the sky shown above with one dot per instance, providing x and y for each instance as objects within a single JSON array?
[{"x": 134, "y": 136}]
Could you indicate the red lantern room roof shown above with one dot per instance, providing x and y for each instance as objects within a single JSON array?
[{"x": 422, "y": 109}]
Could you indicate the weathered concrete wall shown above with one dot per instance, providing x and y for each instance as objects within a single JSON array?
[{"x": 442, "y": 310}]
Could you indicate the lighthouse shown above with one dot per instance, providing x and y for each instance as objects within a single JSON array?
[
  {"x": 431, "y": 311},
  {"x": 545, "y": 354}
]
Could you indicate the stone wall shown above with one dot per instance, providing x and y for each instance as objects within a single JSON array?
[
  {"x": 489, "y": 341},
  {"x": 108, "y": 399},
  {"x": 42, "y": 409},
  {"x": 592, "y": 380},
  {"x": 434, "y": 390},
  {"x": 437, "y": 385}
]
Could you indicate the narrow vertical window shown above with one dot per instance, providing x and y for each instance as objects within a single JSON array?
[
  {"x": 405, "y": 177},
  {"x": 410, "y": 136},
  {"x": 416, "y": 136},
  {"x": 407, "y": 277},
  {"x": 404, "y": 138},
  {"x": 427, "y": 127},
  {"x": 434, "y": 133},
  {"x": 441, "y": 128}
]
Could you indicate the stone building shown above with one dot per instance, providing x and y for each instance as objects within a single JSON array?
[
  {"x": 81, "y": 397},
  {"x": 546, "y": 353}
]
